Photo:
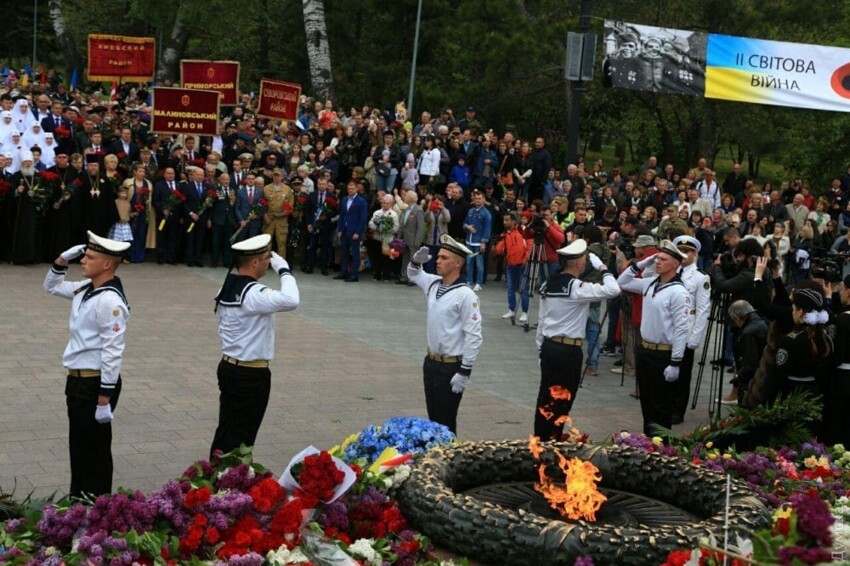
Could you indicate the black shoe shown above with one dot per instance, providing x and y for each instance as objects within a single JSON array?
[
  {"x": 160, "y": 261},
  {"x": 214, "y": 264},
  {"x": 325, "y": 272},
  {"x": 677, "y": 419},
  {"x": 377, "y": 278},
  {"x": 199, "y": 264},
  {"x": 307, "y": 269},
  {"x": 498, "y": 278},
  {"x": 717, "y": 362},
  {"x": 172, "y": 262},
  {"x": 351, "y": 279},
  {"x": 400, "y": 282},
  {"x": 342, "y": 276}
]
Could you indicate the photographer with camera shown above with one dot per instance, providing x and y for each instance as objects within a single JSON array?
[
  {"x": 546, "y": 233},
  {"x": 513, "y": 247}
]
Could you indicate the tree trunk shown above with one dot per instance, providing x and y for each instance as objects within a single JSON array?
[
  {"x": 66, "y": 42},
  {"x": 318, "y": 50},
  {"x": 172, "y": 52}
]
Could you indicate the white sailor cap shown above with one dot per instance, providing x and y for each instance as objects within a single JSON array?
[
  {"x": 574, "y": 250},
  {"x": 450, "y": 244},
  {"x": 253, "y": 246},
  {"x": 667, "y": 247},
  {"x": 106, "y": 246},
  {"x": 689, "y": 243}
]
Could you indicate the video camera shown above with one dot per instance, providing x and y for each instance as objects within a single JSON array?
[
  {"x": 625, "y": 243},
  {"x": 825, "y": 267}
]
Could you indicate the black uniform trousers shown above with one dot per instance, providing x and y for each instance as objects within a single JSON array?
[
  {"x": 166, "y": 239},
  {"x": 683, "y": 386},
  {"x": 195, "y": 240},
  {"x": 89, "y": 441},
  {"x": 442, "y": 403},
  {"x": 656, "y": 394},
  {"x": 836, "y": 402},
  {"x": 244, "y": 396},
  {"x": 560, "y": 365}
]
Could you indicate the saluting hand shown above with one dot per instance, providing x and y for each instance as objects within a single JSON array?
[
  {"x": 595, "y": 262},
  {"x": 278, "y": 262},
  {"x": 421, "y": 256},
  {"x": 73, "y": 253}
]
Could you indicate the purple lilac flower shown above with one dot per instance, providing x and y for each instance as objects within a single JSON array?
[
  {"x": 239, "y": 478},
  {"x": 13, "y": 525},
  {"x": 58, "y": 527},
  {"x": 814, "y": 519},
  {"x": 788, "y": 554},
  {"x": 335, "y": 515},
  {"x": 583, "y": 561},
  {"x": 121, "y": 512},
  {"x": 372, "y": 496},
  {"x": 250, "y": 559},
  {"x": 168, "y": 503},
  {"x": 232, "y": 503},
  {"x": 11, "y": 553}
]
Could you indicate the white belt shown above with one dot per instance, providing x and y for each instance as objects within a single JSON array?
[
  {"x": 845, "y": 365},
  {"x": 803, "y": 379}
]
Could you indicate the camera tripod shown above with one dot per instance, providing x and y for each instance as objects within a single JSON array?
[
  {"x": 716, "y": 319},
  {"x": 531, "y": 273}
]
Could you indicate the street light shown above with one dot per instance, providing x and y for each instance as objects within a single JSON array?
[{"x": 413, "y": 66}]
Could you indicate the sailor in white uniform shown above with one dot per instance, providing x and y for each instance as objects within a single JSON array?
[
  {"x": 454, "y": 328},
  {"x": 663, "y": 332},
  {"x": 698, "y": 285},
  {"x": 564, "y": 306},
  {"x": 93, "y": 357},
  {"x": 245, "y": 309}
]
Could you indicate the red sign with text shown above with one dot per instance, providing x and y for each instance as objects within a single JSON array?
[
  {"x": 185, "y": 111},
  {"x": 279, "y": 100},
  {"x": 116, "y": 57},
  {"x": 222, "y": 76}
]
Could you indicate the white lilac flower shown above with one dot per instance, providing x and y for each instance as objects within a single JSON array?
[
  {"x": 283, "y": 556},
  {"x": 362, "y": 548}
]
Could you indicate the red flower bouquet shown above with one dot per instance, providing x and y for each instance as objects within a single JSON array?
[
  {"x": 318, "y": 475},
  {"x": 175, "y": 201},
  {"x": 209, "y": 198}
]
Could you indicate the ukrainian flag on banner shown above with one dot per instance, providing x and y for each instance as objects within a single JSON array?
[{"x": 778, "y": 73}]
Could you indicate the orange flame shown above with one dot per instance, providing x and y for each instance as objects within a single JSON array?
[
  {"x": 560, "y": 393},
  {"x": 546, "y": 414},
  {"x": 534, "y": 446},
  {"x": 562, "y": 420}
]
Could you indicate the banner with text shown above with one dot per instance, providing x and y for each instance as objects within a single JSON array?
[
  {"x": 222, "y": 76},
  {"x": 185, "y": 111},
  {"x": 121, "y": 58},
  {"x": 727, "y": 67},
  {"x": 278, "y": 100}
]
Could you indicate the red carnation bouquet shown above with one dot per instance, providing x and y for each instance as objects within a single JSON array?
[
  {"x": 316, "y": 475},
  {"x": 209, "y": 198},
  {"x": 4, "y": 187},
  {"x": 175, "y": 201},
  {"x": 62, "y": 132}
]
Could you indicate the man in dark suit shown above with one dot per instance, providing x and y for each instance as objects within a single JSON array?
[
  {"x": 222, "y": 220},
  {"x": 321, "y": 207},
  {"x": 56, "y": 120},
  {"x": 166, "y": 239},
  {"x": 126, "y": 146},
  {"x": 246, "y": 198},
  {"x": 351, "y": 231},
  {"x": 195, "y": 191}
]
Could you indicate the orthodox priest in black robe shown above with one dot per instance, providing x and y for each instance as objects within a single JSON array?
[
  {"x": 59, "y": 222},
  {"x": 96, "y": 200}
]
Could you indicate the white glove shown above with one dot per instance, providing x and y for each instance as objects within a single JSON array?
[
  {"x": 671, "y": 374},
  {"x": 73, "y": 253},
  {"x": 459, "y": 383},
  {"x": 103, "y": 414},
  {"x": 645, "y": 262},
  {"x": 595, "y": 262},
  {"x": 278, "y": 262},
  {"x": 421, "y": 256}
]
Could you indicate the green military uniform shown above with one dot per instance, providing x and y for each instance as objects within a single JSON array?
[{"x": 276, "y": 221}]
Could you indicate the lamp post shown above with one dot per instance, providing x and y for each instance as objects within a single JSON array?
[
  {"x": 576, "y": 91},
  {"x": 413, "y": 66}
]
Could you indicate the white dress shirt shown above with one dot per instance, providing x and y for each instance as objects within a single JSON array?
[{"x": 565, "y": 302}]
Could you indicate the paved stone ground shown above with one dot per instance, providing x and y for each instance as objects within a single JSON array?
[{"x": 349, "y": 356}]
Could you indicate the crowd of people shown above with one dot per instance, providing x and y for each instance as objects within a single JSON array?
[{"x": 363, "y": 190}]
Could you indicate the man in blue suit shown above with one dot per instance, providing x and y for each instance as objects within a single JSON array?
[
  {"x": 195, "y": 191},
  {"x": 351, "y": 231},
  {"x": 247, "y": 196}
]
